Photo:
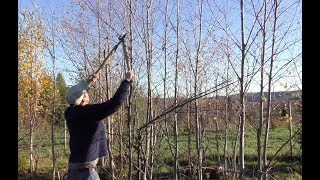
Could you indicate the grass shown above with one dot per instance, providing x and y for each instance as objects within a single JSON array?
[
  {"x": 286, "y": 167},
  {"x": 42, "y": 151}
]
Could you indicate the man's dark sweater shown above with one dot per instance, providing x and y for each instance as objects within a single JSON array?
[{"x": 86, "y": 128}]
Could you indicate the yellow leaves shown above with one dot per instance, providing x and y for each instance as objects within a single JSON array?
[
  {"x": 284, "y": 85},
  {"x": 286, "y": 118},
  {"x": 39, "y": 109},
  {"x": 289, "y": 119},
  {"x": 20, "y": 109},
  {"x": 31, "y": 36},
  {"x": 296, "y": 94}
]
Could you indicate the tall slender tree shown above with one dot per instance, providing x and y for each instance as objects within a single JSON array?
[
  {"x": 268, "y": 116},
  {"x": 196, "y": 81},
  {"x": 30, "y": 72},
  {"x": 262, "y": 99},
  {"x": 176, "y": 165}
]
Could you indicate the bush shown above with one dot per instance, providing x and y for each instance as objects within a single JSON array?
[{"x": 23, "y": 163}]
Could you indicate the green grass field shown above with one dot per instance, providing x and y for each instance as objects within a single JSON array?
[{"x": 287, "y": 166}]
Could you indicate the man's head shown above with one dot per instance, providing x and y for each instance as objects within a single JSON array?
[{"x": 78, "y": 94}]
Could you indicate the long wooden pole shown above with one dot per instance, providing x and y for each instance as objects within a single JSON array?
[
  {"x": 125, "y": 52},
  {"x": 107, "y": 59}
]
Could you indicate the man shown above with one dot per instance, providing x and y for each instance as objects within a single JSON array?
[{"x": 86, "y": 128}]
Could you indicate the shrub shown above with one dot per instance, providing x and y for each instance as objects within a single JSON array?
[{"x": 23, "y": 163}]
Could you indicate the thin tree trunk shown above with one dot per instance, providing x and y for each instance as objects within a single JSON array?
[
  {"x": 259, "y": 130},
  {"x": 139, "y": 158},
  {"x": 148, "y": 48},
  {"x": 235, "y": 162},
  {"x": 227, "y": 108},
  {"x": 52, "y": 145},
  {"x": 32, "y": 113},
  {"x": 165, "y": 71},
  {"x": 268, "y": 119},
  {"x": 129, "y": 114},
  {"x": 189, "y": 141},
  {"x": 242, "y": 96},
  {"x": 31, "y": 161},
  {"x": 216, "y": 124},
  {"x": 290, "y": 129},
  {"x": 197, "y": 122},
  {"x": 54, "y": 115},
  {"x": 225, "y": 148},
  {"x": 120, "y": 139},
  {"x": 147, "y": 153},
  {"x": 99, "y": 43},
  {"x": 65, "y": 136},
  {"x": 138, "y": 138},
  {"x": 110, "y": 152},
  {"x": 165, "y": 78},
  {"x": 176, "y": 168},
  {"x": 109, "y": 128},
  {"x": 198, "y": 146},
  {"x": 165, "y": 84},
  {"x": 129, "y": 126},
  {"x": 153, "y": 138},
  {"x": 189, "y": 131},
  {"x": 204, "y": 118}
]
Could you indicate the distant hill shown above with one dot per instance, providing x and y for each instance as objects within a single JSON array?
[{"x": 280, "y": 95}]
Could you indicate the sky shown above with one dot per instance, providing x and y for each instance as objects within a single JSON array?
[{"x": 62, "y": 63}]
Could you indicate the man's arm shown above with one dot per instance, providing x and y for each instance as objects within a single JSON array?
[{"x": 102, "y": 110}]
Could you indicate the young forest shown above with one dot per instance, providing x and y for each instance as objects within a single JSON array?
[{"x": 217, "y": 91}]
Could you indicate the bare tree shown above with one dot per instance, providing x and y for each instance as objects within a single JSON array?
[
  {"x": 176, "y": 165},
  {"x": 242, "y": 94},
  {"x": 261, "y": 109},
  {"x": 53, "y": 56},
  {"x": 148, "y": 53},
  {"x": 268, "y": 116},
  {"x": 196, "y": 105},
  {"x": 128, "y": 57}
]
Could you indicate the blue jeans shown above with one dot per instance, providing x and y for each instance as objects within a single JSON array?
[{"x": 89, "y": 175}]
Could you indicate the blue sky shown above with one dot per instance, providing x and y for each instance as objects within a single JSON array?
[
  {"x": 50, "y": 6},
  {"x": 62, "y": 63}
]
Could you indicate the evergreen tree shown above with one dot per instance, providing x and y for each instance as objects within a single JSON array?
[{"x": 62, "y": 103}]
